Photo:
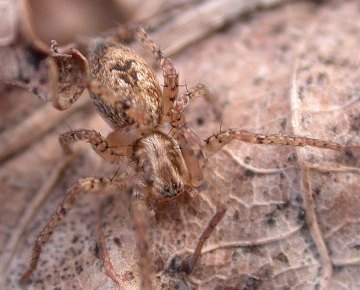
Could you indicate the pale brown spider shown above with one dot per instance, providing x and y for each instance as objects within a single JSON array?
[{"x": 162, "y": 166}]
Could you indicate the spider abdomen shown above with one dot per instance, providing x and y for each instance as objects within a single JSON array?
[{"x": 121, "y": 70}]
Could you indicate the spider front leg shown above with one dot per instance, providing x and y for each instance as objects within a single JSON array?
[
  {"x": 140, "y": 210},
  {"x": 193, "y": 152},
  {"x": 191, "y": 146},
  {"x": 192, "y": 149},
  {"x": 177, "y": 117},
  {"x": 84, "y": 186},
  {"x": 171, "y": 76}
]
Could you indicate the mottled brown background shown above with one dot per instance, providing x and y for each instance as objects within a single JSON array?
[{"x": 293, "y": 219}]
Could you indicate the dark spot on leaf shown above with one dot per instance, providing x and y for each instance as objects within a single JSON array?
[
  {"x": 355, "y": 122},
  {"x": 78, "y": 268},
  {"x": 278, "y": 28},
  {"x": 249, "y": 173},
  {"x": 317, "y": 191},
  {"x": 253, "y": 249},
  {"x": 322, "y": 78},
  {"x": 299, "y": 199},
  {"x": 247, "y": 160},
  {"x": 117, "y": 242},
  {"x": 200, "y": 121},
  {"x": 265, "y": 272},
  {"x": 247, "y": 16},
  {"x": 271, "y": 218},
  {"x": 292, "y": 158},
  {"x": 257, "y": 80},
  {"x": 252, "y": 284},
  {"x": 309, "y": 80},
  {"x": 284, "y": 205},
  {"x": 74, "y": 239},
  {"x": 349, "y": 154},
  {"x": 175, "y": 266},
  {"x": 35, "y": 57},
  {"x": 282, "y": 258},
  {"x": 236, "y": 216},
  {"x": 43, "y": 80},
  {"x": 97, "y": 251},
  {"x": 23, "y": 79},
  {"x": 301, "y": 93},
  {"x": 271, "y": 222},
  {"x": 301, "y": 216},
  {"x": 283, "y": 123},
  {"x": 338, "y": 268},
  {"x": 35, "y": 91}
]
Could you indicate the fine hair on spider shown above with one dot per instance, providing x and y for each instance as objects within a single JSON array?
[{"x": 162, "y": 166}]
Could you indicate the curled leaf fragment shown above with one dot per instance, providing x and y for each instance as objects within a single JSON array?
[
  {"x": 72, "y": 69},
  {"x": 25, "y": 60}
]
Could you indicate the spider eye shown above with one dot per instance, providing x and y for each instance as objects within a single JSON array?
[
  {"x": 166, "y": 188},
  {"x": 174, "y": 186}
]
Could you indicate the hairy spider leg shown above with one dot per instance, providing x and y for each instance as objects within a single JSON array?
[{"x": 84, "y": 186}]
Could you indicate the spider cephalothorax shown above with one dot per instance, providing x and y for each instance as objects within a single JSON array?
[{"x": 159, "y": 155}]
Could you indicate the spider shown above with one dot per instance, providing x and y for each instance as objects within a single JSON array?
[{"x": 162, "y": 166}]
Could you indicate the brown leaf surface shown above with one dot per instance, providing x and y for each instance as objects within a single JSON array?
[
  {"x": 24, "y": 59},
  {"x": 293, "y": 214}
]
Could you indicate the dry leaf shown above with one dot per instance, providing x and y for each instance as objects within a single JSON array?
[
  {"x": 293, "y": 214},
  {"x": 72, "y": 69},
  {"x": 24, "y": 59}
]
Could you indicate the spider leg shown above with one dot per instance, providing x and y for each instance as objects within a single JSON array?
[
  {"x": 219, "y": 140},
  {"x": 100, "y": 145},
  {"x": 140, "y": 211},
  {"x": 188, "y": 267},
  {"x": 193, "y": 152},
  {"x": 191, "y": 146},
  {"x": 182, "y": 101},
  {"x": 171, "y": 76},
  {"x": 192, "y": 149},
  {"x": 84, "y": 186}
]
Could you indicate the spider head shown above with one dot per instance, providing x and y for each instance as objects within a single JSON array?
[{"x": 159, "y": 158}]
